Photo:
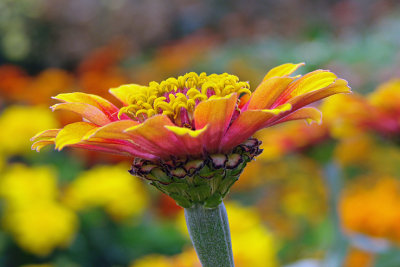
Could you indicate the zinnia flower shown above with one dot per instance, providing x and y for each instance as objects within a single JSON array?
[{"x": 187, "y": 129}]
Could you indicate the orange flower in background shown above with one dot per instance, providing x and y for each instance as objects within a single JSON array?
[
  {"x": 358, "y": 257},
  {"x": 192, "y": 115},
  {"x": 17, "y": 86},
  {"x": 48, "y": 83},
  {"x": 372, "y": 210},
  {"x": 13, "y": 81},
  {"x": 386, "y": 101},
  {"x": 290, "y": 137}
]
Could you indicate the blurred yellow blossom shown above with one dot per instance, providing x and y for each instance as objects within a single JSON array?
[
  {"x": 2, "y": 162},
  {"x": 21, "y": 185},
  {"x": 367, "y": 153},
  {"x": 294, "y": 192},
  {"x": 19, "y": 123},
  {"x": 346, "y": 115},
  {"x": 110, "y": 187},
  {"x": 387, "y": 96},
  {"x": 41, "y": 227},
  {"x": 354, "y": 150},
  {"x": 253, "y": 245},
  {"x": 33, "y": 217}
]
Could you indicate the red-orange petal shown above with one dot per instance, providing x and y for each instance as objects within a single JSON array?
[
  {"x": 312, "y": 81},
  {"x": 153, "y": 136},
  {"x": 38, "y": 145},
  {"x": 51, "y": 133},
  {"x": 283, "y": 70},
  {"x": 73, "y": 134},
  {"x": 267, "y": 92},
  {"x": 247, "y": 124},
  {"x": 115, "y": 133},
  {"x": 120, "y": 147},
  {"x": 104, "y": 105},
  {"x": 88, "y": 112},
  {"x": 113, "y": 130},
  {"x": 217, "y": 114},
  {"x": 309, "y": 114},
  {"x": 338, "y": 86},
  {"x": 191, "y": 140}
]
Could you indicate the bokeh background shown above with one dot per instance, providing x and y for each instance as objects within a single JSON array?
[{"x": 319, "y": 195}]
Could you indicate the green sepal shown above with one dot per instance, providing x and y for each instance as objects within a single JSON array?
[{"x": 193, "y": 182}]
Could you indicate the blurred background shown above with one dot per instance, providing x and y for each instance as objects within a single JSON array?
[{"x": 319, "y": 195}]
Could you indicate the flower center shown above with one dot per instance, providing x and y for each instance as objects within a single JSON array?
[{"x": 178, "y": 97}]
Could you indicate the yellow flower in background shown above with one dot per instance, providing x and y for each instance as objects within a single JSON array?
[
  {"x": 2, "y": 162},
  {"x": 19, "y": 123},
  {"x": 110, "y": 187},
  {"x": 387, "y": 96},
  {"x": 354, "y": 150},
  {"x": 346, "y": 115},
  {"x": 32, "y": 216},
  {"x": 41, "y": 227},
  {"x": 253, "y": 245},
  {"x": 20, "y": 185}
]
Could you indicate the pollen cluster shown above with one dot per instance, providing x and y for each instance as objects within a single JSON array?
[{"x": 178, "y": 97}]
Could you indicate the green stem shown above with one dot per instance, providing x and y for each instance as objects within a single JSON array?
[{"x": 210, "y": 235}]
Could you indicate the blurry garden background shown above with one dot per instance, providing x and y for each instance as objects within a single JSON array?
[{"x": 319, "y": 195}]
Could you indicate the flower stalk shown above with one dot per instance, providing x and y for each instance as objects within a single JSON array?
[{"x": 210, "y": 235}]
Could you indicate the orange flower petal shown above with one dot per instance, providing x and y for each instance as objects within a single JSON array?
[
  {"x": 51, "y": 133},
  {"x": 120, "y": 147},
  {"x": 217, "y": 114},
  {"x": 38, "y": 145},
  {"x": 87, "y": 112},
  {"x": 114, "y": 130},
  {"x": 73, "y": 134},
  {"x": 105, "y": 106},
  {"x": 310, "y": 82},
  {"x": 153, "y": 136},
  {"x": 318, "y": 80},
  {"x": 283, "y": 70},
  {"x": 247, "y": 124},
  {"x": 267, "y": 92},
  {"x": 338, "y": 86},
  {"x": 115, "y": 133},
  {"x": 192, "y": 140},
  {"x": 309, "y": 114}
]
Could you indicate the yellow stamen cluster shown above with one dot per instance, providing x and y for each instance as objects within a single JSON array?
[{"x": 176, "y": 95}]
